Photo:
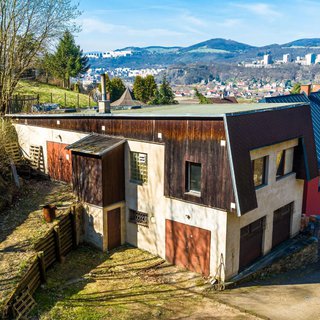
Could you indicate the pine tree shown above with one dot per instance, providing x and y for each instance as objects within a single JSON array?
[
  {"x": 68, "y": 61},
  {"x": 166, "y": 93}
]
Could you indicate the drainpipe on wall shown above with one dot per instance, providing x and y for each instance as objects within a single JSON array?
[{"x": 104, "y": 103}]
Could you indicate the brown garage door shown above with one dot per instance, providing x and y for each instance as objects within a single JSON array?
[
  {"x": 188, "y": 247},
  {"x": 59, "y": 162},
  {"x": 281, "y": 224},
  {"x": 250, "y": 243}
]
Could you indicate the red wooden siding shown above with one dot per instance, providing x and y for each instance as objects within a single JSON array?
[
  {"x": 59, "y": 162},
  {"x": 188, "y": 247},
  {"x": 311, "y": 199},
  {"x": 113, "y": 176},
  {"x": 87, "y": 178}
]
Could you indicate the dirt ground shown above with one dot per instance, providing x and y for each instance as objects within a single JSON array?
[
  {"x": 127, "y": 284},
  {"x": 22, "y": 224}
]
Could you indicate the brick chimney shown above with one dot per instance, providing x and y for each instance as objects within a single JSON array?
[
  {"x": 104, "y": 103},
  {"x": 306, "y": 88}
]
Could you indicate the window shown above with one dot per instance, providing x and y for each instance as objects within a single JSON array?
[
  {"x": 139, "y": 167},
  {"x": 259, "y": 167},
  {"x": 284, "y": 162},
  {"x": 138, "y": 217},
  {"x": 281, "y": 160},
  {"x": 193, "y": 177}
]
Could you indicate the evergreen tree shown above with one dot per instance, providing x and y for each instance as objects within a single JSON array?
[
  {"x": 201, "y": 97},
  {"x": 68, "y": 61},
  {"x": 164, "y": 95}
]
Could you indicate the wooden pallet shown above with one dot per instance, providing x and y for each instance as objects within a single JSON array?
[
  {"x": 23, "y": 305},
  {"x": 36, "y": 157},
  {"x": 14, "y": 151}
]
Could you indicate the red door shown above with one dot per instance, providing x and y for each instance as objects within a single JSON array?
[
  {"x": 114, "y": 228},
  {"x": 59, "y": 162},
  {"x": 188, "y": 247}
]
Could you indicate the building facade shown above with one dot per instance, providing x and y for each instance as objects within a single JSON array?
[{"x": 223, "y": 184}]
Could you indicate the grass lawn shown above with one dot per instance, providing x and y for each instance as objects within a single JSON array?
[
  {"x": 58, "y": 94},
  {"x": 126, "y": 284},
  {"x": 22, "y": 224}
]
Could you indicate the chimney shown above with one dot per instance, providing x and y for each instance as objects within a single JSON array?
[
  {"x": 104, "y": 103},
  {"x": 315, "y": 87},
  {"x": 306, "y": 88}
]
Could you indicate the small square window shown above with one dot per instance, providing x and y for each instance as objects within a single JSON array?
[
  {"x": 138, "y": 217},
  {"x": 138, "y": 167},
  {"x": 193, "y": 177},
  {"x": 259, "y": 168}
]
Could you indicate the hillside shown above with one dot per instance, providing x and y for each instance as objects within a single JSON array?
[
  {"x": 46, "y": 91},
  {"x": 210, "y": 51}
]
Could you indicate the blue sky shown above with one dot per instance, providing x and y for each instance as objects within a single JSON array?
[{"x": 113, "y": 24}]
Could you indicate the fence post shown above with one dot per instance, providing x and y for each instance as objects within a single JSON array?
[
  {"x": 56, "y": 232},
  {"x": 73, "y": 218},
  {"x": 89, "y": 99},
  {"x": 51, "y": 100},
  {"x": 38, "y": 99},
  {"x": 42, "y": 267},
  {"x": 78, "y": 101},
  {"x": 65, "y": 99}
]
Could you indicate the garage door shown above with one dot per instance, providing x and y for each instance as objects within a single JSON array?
[
  {"x": 188, "y": 247},
  {"x": 59, "y": 162},
  {"x": 281, "y": 224},
  {"x": 251, "y": 243}
]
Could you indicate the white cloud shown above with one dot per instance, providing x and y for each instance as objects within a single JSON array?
[
  {"x": 261, "y": 9},
  {"x": 91, "y": 25},
  {"x": 230, "y": 23}
]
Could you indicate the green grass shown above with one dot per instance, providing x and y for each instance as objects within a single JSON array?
[
  {"x": 46, "y": 91},
  {"x": 121, "y": 285}
]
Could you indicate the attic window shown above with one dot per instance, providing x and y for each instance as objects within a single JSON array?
[{"x": 259, "y": 168}]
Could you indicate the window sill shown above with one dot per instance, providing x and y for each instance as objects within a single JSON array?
[
  {"x": 285, "y": 176},
  {"x": 193, "y": 193},
  {"x": 139, "y": 223},
  {"x": 261, "y": 186},
  {"x": 140, "y": 183}
]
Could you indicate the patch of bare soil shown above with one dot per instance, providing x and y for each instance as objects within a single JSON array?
[{"x": 22, "y": 224}]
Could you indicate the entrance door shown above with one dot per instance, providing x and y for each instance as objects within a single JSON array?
[
  {"x": 250, "y": 243},
  {"x": 281, "y": 224},
  {"x": 114, "y": 228},
  {"x": 188, "y": 246}
]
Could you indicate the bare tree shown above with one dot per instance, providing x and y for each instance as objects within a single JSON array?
[{"x": 27, "y": 27}]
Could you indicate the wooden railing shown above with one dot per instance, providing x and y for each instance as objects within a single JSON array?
[{"x": 52, "y": 247}]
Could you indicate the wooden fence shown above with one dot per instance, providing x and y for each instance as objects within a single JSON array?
[{"x": 52, "y": 247}]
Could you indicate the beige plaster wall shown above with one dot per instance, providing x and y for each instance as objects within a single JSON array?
[
  {"x": 149, "y": 198},
  {"x": 32, "y": 135},
  {"x": 274, "y": 195}
]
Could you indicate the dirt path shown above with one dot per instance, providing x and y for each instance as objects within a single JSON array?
[{"x": 22, "y": 224}]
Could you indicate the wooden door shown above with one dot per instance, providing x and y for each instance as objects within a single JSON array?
[
  {"x": 188, "y": 246},
  {"x": 59, "y": 162},
  {"x": 250, "y": 243},
  {"x": 114, "y": 228},
  {"x": 281, "y": 224}
]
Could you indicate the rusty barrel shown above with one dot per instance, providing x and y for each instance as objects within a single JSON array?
[{"x": 49, "y": 212}]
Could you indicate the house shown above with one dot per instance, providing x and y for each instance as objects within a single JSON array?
[
  {"x": 311, "y": 203},
  {"x": 191, "y": 184}
]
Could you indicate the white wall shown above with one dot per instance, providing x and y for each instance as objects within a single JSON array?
[
  {"x": 149, "y": 198},
  {"x": 32, "y": 135}
]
